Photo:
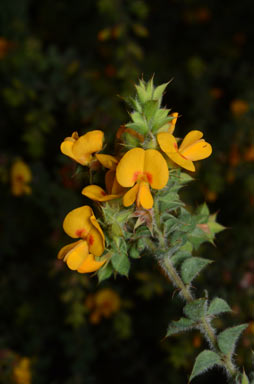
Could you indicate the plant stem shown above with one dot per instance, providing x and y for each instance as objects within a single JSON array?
[{"x": 205, "y": 326}]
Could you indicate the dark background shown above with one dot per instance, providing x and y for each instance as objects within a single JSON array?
[{"x": 63, "y": 66}]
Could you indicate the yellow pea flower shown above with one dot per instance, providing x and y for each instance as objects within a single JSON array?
[
  {"x": 113, "y": 188},
  {"x": 103, "y": 303},
  {"x": 192, "y": 148},
  {"x": 140, "y": 169},
  {"x": 20, "y": 176},
  {"x": 82, "y": 148},
  {"x": 80, "y": 255},
  {"x": 22, "y": 371}
]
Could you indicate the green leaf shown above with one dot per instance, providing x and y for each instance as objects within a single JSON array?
[
  {"x": 158, "y": 92},
  {"x": 139, "y": 127},
  {"x": 149, "y": 88},
  {"x": 227, "y": 339},
  {"x": 121, "y": 263},
  {"x": 205, "y": 360},
  {"x": 150, "y": 108},
  {"x": 134, "y": 253},
  {"x": 105, "y": 272},
  {"x": 217, "y": 306},
  {"x": 191, "y": 268},
  {"x": 180, "y": 325},
  {"x": 185, "y": 178},
  {"x": 245, "y": 379},
  {"x": 141, "y": 93},
  {"x": 179, "y": 257},
  {"x": 195, "y": 309}
]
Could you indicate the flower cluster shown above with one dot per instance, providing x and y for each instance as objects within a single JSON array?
[{"x": 146, "y": 153}]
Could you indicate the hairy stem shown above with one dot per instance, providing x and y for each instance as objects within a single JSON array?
[{"x": 205, "y": 326}]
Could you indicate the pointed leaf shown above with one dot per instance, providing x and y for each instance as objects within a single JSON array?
[
  {"x": 158, "y": 92},
  {"x": 195, "y": 309},
  {"x": 180, "y": 325},
  {"x": 105, "y": 272},
  {"x": 245, "y": 379},
  {"x": 121, "y": 263},
  {"x": 227, "y": 339},
  {"x": 191, "y": 267},
  {"x": 204, "y": 361},
  {"x": 150, "y": 108},
  {"x": 217, "y": 306}
]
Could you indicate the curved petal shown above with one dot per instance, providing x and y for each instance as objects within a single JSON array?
[
  {"x": 77, "y": 255},
  {"x": 90, "y": 264},
  {"x": 77, "y": 222},
  {"x": 167, "y": 142},
  {"x": 130, "y": 196},
  {"x": 94, "y": 192},
  {"x": 180, "y": 160},
  {"x": 87, "y": 144},
  {"x": 107, "y": 161},
  {"x": 130, "y": 167},
  {"x": 197, "y": 151},
  {"x": 95, "y": 242},
  {"x": 64, "y": 250},
  {"x": 190, "y": 139},
  {"x": 66, "y": 148},
  {"x": 156, "y": 169},
  {"x": 145, "y": 198},
  {"x": 172, "y": 123}
]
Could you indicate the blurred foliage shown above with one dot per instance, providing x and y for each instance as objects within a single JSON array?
[{"x": 62, "y": 67}]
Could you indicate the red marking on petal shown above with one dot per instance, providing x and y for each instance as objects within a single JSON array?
[
  {"x": 176, "y": 147},
  {"x": 20, "y": 178},
  {"x": 149, "y": 177},
  {"x": 103, "y": 193},
  {"x": 79, "y": 232},
  {"x": 135, "y": 176},
  {"x": 90, "y": 240}
]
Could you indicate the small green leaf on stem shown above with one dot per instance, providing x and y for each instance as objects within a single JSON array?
[
  {"x": 195, "y": 309},
  {"x": 227, "y": 339},
  {"x": 245, "y": 379},
  {"x": 191, "y": 268},
  {"x": 217, "y": 306},
  {"x": 180, "y": 325},
  {"x": 205, "y": 360}
]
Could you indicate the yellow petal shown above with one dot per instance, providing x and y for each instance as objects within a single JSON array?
[
  {"x": 190, "y": 139},
  {"x": 77, "y": 255},
  {"x": 77, "y": 222},
  {"x": 66, "y": 149},
  {"x": 107, "y": 161},
  {"x": 145, "y": 198},
  {"x": 173, "y": 122},
  {"x": 94, "y": 192},
  {"x": 109, "y": 180},
  {"x": 197, "y": 151},
  {"x": 96, "y": 239},
  {"x": 64, "y": 250},
  {"x": 86, "y": 145},
  {"x": 180, "y": 160},
  {"x": 130, "y": 196},
  {"x": 130, "y": 167},
  {"x": 155, "y": 169},
  {"x": 21, "y": 171},
  {"x": 90, "y": 265},
  {"x": 167, "y": 142}
]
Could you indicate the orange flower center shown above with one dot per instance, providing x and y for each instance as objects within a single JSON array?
[{"x": 142, "y": 176}]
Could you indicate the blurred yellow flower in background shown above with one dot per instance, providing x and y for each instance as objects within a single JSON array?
[
  {"x": 103, "y": 303},
  {"x": 20, "y": 176},
  {"x": 22, "y": 371},
  {"x": 239, "y": 107}
]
